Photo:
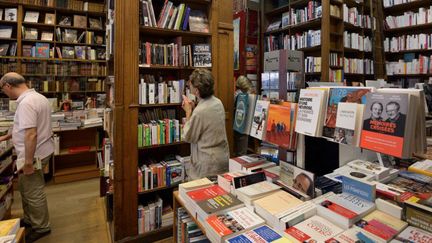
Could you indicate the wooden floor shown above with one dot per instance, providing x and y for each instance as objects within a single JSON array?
[{"x": 76, "y": 213}]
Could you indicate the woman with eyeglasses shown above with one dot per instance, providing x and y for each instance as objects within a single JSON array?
[{"x": 205, "y": 128}]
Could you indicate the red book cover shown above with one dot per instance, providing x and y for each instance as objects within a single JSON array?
[
  {"x": 79, "y": 149},
  {"x": 206, "y": 193}
]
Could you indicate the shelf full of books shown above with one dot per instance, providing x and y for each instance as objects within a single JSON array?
[
  {"x": 407, "y": 41},
  {"x": 58, "y": 46},
  {"x": 304, "y": 25}
]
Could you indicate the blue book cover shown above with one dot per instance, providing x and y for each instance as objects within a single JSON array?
[
  {"x": 241, "y": 112},
  {"x": 42, "y": 50},
  {"x": 357, "y": 188},
  {"x": 186, "y": 18},
  {"x": 260, "y": 234}
]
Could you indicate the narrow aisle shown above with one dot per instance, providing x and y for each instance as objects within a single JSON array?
[{"x": 76, "y": 212}]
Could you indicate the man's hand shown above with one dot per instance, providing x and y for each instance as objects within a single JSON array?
[
  {"x": 188, "y": 105},
  {"x": 5, "y": 137},
  {"x": 28, "y": 168}
]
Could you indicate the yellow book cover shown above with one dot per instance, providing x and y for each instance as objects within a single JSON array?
[
  {"x": 422, "y": 167},
  {"x": 278, "y": 202},
  {"x": 8, "y": 227},
  {"x": 196, "y": 183}
]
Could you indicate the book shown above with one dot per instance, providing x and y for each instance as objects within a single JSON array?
[
  {"x": 386, "y": 132},
  {"x": 31, "y": 17},
  {"x": 10, "y": 14},
  {"x": 314, "y": 229},
  {"x": 202, "y": 55},
  {"x": 354, "y": 235},
  {"x": 240, "y": 117},
  {"x": 239, "y": 163},
  {"x": 418, "y": 215},
  {"x": 348, "y": 123},
  {"x": 9, "y": 227},
  {"x": 250, "y": 113},
  {"x": 5, "y": 31},
  {"x": 355, "y": 201},
  {"x": 246, "y": 180},
  {"x": 42, "y": 50},
  {"x": 65, "y": 21},
  {"x": 192, "y": 185},
  {"x": 80, "y": 21},
  {"x": 278, "y": 125},
  {"x": 259, "y": 122},
  {"x": 423, "y": 167},
  {"x": 341, "y": 94},
  {"x": 95, "y": 23},
  {"x": 228, "y": 224},
  {"x": 248, "y": 194},
  {"x": 310, "y": 116},
  {"x": 225, "y": 181},
  {"x": 47, "y": 36},
  {"x": 381, "y": 225},
  {"x": 50, "y": 18},
  {"x": 198, "y": 21},
  {"x": 413, "y": 234},
  {"x": 80, "y": 52},
  {"x": 68, "y": 52},
  {"x": 275, "y": 206},
  {"x": 262, "y": 234},
  {"x": 4, "y": 49},
  {"x": 379, "y": 171},
  {"x": 297, "y": 181},
  {"x": 31, "y": 34},
  {"x": 70, "y": 36},
  {"x": 216, "y": 204}
]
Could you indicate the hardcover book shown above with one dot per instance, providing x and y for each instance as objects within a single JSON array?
[
  {"x": 49, "y": 18},
  {"x": 385, "y": 132},
  {"x": 381, "y": 225},
  {"x": 255, "y": 191},
  {"x": 31, "y": 34},
  {"x": 11, "y": 14},
  {"x": 31, "y": 17},
  {"x": 240, "y": 117},
  {"x": 278, "y": 125},
  {"x": 47, "y": 36},
  {"x": 202, "y": 55},
  {"x": 198, "y": 21},
  {"x": 42, "y": 50},
  {"x": 413, "y": 234},
  {"x": 259, "y": 122},
  {"x": 310, "y": 112},
  {"x": 348, "y": 123},
  {"x": 80, "y": 21},
  {"x": 263, "y": 234}
]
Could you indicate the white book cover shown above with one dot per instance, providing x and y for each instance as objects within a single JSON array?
[
  {"x": 252, "y": 99},
  {"x": 257, "y": 189},
  {"x": 315, "y": 228},
  {"x": 351, "y": 203},
  {"x": 309, "y": 108},
  {"x": 259, "y": 121},
  {"x": 31, "y": 17},
  {"x": 370, "y": 168},
  {"x": 152, "y": 89},
  {"x": 348, "y": 122},
  {"x": 11, "y": 14},
  {"x": 413, "y": 234}
]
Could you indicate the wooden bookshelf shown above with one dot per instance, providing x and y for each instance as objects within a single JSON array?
[
  {"x": 6, "y": 169},
  {"x": 127, "y": 155},
  {"x": 406, "y": 80}
]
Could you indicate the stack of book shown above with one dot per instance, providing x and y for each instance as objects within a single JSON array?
[
  {"x": 162, "y": 174},
  {"x": 150, "y": 216},
  {"x": 187, "y": 229}
]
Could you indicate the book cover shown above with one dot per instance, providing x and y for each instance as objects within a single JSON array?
[
  {"x": 413, "y": 235},
  {"x": 348, "y": 206},
  {"x": 295, "y": 179},
  {"x": 80, "y": 21},
  {"x": 259, "y": 122},
  {"x": 95, "y": 23},
  {"x": 381, "y": 225},
  {"x": 347, "y": 130},
  {"x": 11, "y": 14},
  {"x": 4, "y": 49},
  {"x": 219, "y": 203},
  {"x": 65, "y": 21},
  {"x": 246, "y": 180},
  {"x": 278, "y": 203},
  {"x": 80, "y": 52},
  {"x": 262, "y": 234},
  {"x": 361, "y": 189},
  {"x": 198, "y": 21},
  {"x": 418, "y": 216},
  {"x": 257, "y": 189},
  {"x": 314, "y": 229},
  {"x": 31, "y": 17},
  {"x": 278, "y": 125},
  {"x": 353, "y": 235},
  {"x": 234, "y": 221},
  {"x": 47, "y": 36},
  {"x": 384, "y": 132},
  {"x": 49, "y": 18},
  {"x": 422, "y": 167},
  {"x": 336, "y": 95},
  {"x": 206, "y": 193},
  {"x": 308, "y": 116},
  {"x": 42, "y": 50},
  {"x": 250, "y": 113},
  {"x": 202, "y": 55},
  {"x": 5, "y": 31},
  {"x": 240, "y": 117},
  {"x": 68, "y": 52}
]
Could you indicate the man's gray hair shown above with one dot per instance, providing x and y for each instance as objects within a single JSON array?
[{"x": 13, "y": 79}]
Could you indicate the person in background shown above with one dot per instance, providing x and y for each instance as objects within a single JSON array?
[
  {"x": 243, "y": 85},
  {"x": 205, "y": 128},
  {"x": 32, "y": 139}
]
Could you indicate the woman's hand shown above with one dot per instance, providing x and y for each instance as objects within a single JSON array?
[{"x": 188, "y": 106}]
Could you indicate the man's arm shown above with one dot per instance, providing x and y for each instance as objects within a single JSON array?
[
  {"x": 30, "y": 149},
  {"x": 5, "y": 137}
]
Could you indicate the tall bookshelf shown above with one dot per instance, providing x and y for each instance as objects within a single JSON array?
[
  {"x": 406, "y": 53},
  {"x": 332, "y": 26},
  {"x": 50, "y": 73},
  {"x": 127, "y": 109}
]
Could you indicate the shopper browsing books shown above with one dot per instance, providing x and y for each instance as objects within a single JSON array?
[
  {"x": 32, "y": 139},
  {"x": 243, "y": 86},
  {"x": 205, "y": 128}
]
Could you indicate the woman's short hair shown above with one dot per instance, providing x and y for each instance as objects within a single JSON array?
[
  {"x": 243, "y": 83},
  {"x": 202, "y": 79}
]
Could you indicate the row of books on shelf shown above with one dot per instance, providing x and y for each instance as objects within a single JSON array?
[
  {"x": 312, "y": 11},
  {"x": 79, "y": 5},
  {"x": 173, "y": 54},
  {"x": 391, "y": 3},
  {"x": 357, "y": 41},
  {"x": 358, "y": 66},
  {"x": 336, "y": 60},
  {"x": 156, "y": 132},
  {"x": 306, "y": 39},
  {"x": 152, "y": 175},
  {"x": 408, "y": 42},
  {"x": 8, "y": 49},
  {"x": 335, "y": 75},
  {"x": 353, "y": 16},
  {"x": 79, "y": 21},
  {"x": 62, "y": 69},
  {"x": 70, "y": 85},
  {"x": 180, "y": 17},
  {"x": 151, "y": 92},
  {"x": 44, "y": 50},
  {"x": 187, "y": 229},
  {"x": 359, "y": 201},
  {"x": 270, "y": 80},
  {"x": 423, "y": 16},
  {"x": 156, "y": 114},
  {"x": 410, "y": 65},
  {"x": 150, "y": 216}
]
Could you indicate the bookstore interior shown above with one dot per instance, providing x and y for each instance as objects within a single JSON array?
[{"x": 238, "y": 121}]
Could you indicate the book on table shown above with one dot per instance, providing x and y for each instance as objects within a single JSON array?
[
  {"x": 250, "y": 193},
  {"x": 315, "y": 228}
]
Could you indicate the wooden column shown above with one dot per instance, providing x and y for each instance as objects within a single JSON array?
[
  {"x": 378, "y": 39},
  {"x": 223, "y": 60},
  {"x": 126, "y": 41},
  {"x": 325, "y": 41}
]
